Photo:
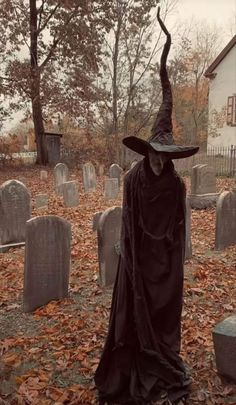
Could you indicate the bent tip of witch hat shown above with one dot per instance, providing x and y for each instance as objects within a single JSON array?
[
  {"x": 161, "y": 139},
  {"x": 142, "y": 147}
]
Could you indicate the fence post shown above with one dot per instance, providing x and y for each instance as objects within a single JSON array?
[{"x": 231, "y": 170}]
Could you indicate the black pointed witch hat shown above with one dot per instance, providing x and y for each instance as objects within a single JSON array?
[{"x": 161, "y": 139}]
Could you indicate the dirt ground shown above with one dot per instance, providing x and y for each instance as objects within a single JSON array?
[{"x": 49, "y": 356}]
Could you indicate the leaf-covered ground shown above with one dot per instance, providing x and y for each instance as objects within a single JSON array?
[{"x": 49, "y": 357}]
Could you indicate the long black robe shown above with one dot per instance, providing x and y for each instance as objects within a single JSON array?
[{"x": 140, "y": 360}]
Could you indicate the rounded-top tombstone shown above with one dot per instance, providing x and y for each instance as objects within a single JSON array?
[
  {"x": 109, "y": 227},
  {"x": 226, "y": 220},
  {"x": 15, "y": 210},
  {"x": 47, "y": 261},
  {"x": 89, "y": 177},
  {"x": 61, "y": 175},
  {"x": 115, "y": 172}
]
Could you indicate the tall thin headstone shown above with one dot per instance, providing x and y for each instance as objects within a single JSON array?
[
  {"x": 111, "y": 188},
  {"x": 89, "y": 177},
  {"x": 47, "y": 261},
  {"x": 15, "y": 210},
  {"x": 115, "y": 172},
  {"x": 61, "y": 175},
  {"x": 70, "y": 193},
  {"x": 225, "y": 234},
  {"x": 109, "y": 228}
]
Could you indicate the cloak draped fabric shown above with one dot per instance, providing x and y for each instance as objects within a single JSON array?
[{"x": 140, "y": 362}]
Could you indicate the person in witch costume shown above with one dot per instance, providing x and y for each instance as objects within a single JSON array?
[{"x": 140, "y": 363}]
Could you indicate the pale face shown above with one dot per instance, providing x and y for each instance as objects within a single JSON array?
[{"x": 157, "y": 161}]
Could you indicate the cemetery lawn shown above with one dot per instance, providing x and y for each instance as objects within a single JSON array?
[{"x": 50, "y": 356}]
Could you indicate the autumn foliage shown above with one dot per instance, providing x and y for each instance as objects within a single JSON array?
[{"x": 49, "y": 357}]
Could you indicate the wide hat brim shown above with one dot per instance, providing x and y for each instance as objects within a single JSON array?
[{"x": 174, "y": 151}]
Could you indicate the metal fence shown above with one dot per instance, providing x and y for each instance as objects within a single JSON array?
[{"x": 222, "y": 159}]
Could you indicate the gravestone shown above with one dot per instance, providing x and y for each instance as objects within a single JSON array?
[
  {"x": 115, "y": 172},
  {"x": 95, "y": 221},
  {"x": 225, "y": 234},
  {"x": 43, "y": 175},
  {"x": 188, "y": 240},
  {"x": 47, "y": 261},
  {"x": 203, "y": 187},
  {"x": 41, "y": 201},
  {"x": 109, "y": 227},
  {"x": 224, "y": 338},
  {"x": 15, "y": 210},
  {"x": 111, "y": 189},
  {"x": 101, "y": 170},
  {"x": 70, "y": 193},
  {"x": 89, "y": 177},
  {"x": 61, "y": 175}
]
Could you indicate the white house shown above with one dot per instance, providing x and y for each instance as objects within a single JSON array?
[{"x": 222, "y": 97}]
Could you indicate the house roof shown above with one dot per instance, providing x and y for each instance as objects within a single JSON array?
[{"x": 210, "y": 70}]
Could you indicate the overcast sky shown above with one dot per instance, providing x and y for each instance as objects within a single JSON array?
[{"x": 219, "y": 12}]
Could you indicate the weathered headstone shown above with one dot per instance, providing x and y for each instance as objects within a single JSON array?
[
  {"x": 47, "y": 261},
  {"x": 203, "y": 187},
  {"x": 43, "y": 175},
  {"x": 115, "y": 172},
  {"x": 111, "y": 189},
  {"x": 225, "y": 234},
  {"x": 41, "y": 201},
  {"x": 70, "y": 193},
  {"x": 109, "y": 227},
  {"x": 95, "y": 221},
  {"x": 188, "y": 240},
  {"x": 89, "y": 177},
  {"x": 101, "y": 170},
  {"x": 224, "y": 338},
  {"x": 15, "y": 210},
  {"x": 61, "y": 175}
]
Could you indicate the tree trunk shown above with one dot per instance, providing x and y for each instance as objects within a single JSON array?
[{"x": 42, "y": 155}]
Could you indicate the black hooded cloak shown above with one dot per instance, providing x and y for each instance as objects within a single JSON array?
[{"x": 140, "y": 361}]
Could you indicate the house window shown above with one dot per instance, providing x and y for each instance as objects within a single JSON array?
[{"x": 231, "y": 111}]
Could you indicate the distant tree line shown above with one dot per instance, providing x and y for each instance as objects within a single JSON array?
[{"x": 99, "y": 60}]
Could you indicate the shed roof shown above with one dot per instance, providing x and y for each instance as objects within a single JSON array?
[{"x": 210, "y": 70}]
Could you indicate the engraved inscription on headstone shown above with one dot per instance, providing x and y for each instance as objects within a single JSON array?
[
  {"x": 109, "y": 227},
  {"x": 47, "y": 261},
  {"x": 115, "y": 172},
  {"x": 111, "y": 189},
  {"x": 89, "y": 177},
  {"x": 15, "y": 210},
  {"x": 225, "y": 220},
  {"x": 70, "y": 193},
  {"x": 61, "y": 175}
]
